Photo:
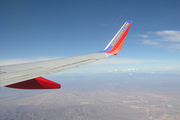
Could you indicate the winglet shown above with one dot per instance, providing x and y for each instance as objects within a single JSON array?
[{"x": 116, "y": 43}]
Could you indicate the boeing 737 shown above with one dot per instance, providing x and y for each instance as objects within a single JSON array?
[{"x": 29, "y": 75}]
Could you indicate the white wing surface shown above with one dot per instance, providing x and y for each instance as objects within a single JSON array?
[{"x": 28, "y": 75}]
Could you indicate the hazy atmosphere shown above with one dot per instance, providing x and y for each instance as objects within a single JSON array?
[{"x": 142, "y": 82}]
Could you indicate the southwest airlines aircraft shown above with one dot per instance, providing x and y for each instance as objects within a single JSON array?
[{"x": 28, "y": 75}]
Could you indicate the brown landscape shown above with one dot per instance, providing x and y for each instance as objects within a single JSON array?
[{"x": 96, "y": 100}]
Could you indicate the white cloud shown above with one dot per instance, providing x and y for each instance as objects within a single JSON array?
[
  {"x": 175, "y": 46},
  {"x": 129, "y": 69},
  {"x": 115, "y": 70},
  {"x": 124, "y": 70},
  {"x": 123, "y": 61},
  {"x": 169, "y": 68},
  {"x": 109, "y": 71},
  {"x": 165, "y": 39},
  {"x": 169, "y": 35},
  {"x": 148, "y": 42},
  {"x": 143, "y": 36}
]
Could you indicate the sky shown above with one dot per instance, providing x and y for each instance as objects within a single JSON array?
[{"x": 46, "y": 29}]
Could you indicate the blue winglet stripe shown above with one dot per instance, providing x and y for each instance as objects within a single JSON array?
[{"x": 117, "y": 36}]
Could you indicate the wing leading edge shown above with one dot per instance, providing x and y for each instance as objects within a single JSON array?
[{"x": 28, "y": 75}]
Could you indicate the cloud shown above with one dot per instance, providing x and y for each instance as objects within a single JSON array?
[
  {"x": 165, "y": 39},
  {"x": 175, "y": 46},
  {"x": 115, "y": 70},
  {"x": 169, "y": 68},
  {"x": 123, "y": 61},
  {"x": 132, "y": 69},
  {"x": 129, "y": 69},
  {"x": 124, "y": 70},
  {"x": 148, "y": 42},
  {"x": 130, "y": 73},
  {"x": 147, "y": 70},
  {"x": 169, "y": 35},
  {"x": 109, "y": 71},
  {"x": 143, "y": 36}
]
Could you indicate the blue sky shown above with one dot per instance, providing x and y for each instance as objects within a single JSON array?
[{"x": 44, "y": 29}]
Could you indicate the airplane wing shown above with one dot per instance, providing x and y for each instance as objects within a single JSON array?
[{"x": 28, "y": 75}]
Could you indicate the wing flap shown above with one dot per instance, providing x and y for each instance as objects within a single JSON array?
[{"x": 36, "y": 83}]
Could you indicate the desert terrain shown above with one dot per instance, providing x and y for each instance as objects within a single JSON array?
[{"x": 95, "y": 99}]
